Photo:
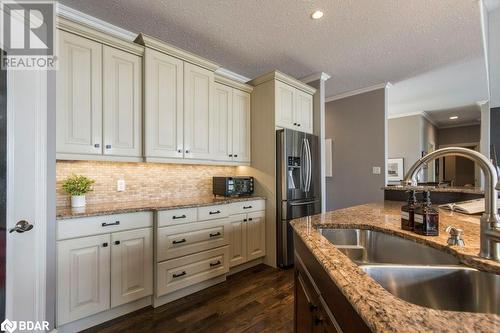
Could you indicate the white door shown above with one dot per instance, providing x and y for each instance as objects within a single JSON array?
[
  {"x": 304, "y": 111},
  {"x": 79, "y": 95},
  {"x": 285, "y": 105},
  {"x": 122, "y": 100},
  {"x": 83, "y": 277},
  {"x": 256, "y": 235},
  {"x": 237, "y": 240},
  {"x": 164, "y": 105},
  {"x": 221, "y": 128},
  {"x": 27, "y": 193},
  {"x": 131, "y": 265},
  {"x": 198, "y": 102},
  {"x": 241, "y": 126}
]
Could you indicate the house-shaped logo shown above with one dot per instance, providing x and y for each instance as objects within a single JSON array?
[{"x": 8, "y": 326}]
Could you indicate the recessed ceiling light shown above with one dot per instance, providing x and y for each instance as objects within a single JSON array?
[
  {"x": 453, "y": 117},
  {"x": 317, "y": 15}
]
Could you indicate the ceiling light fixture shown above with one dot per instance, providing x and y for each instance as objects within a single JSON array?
[
  {"x": 453, "y": 117},
  {"x": 317, "y": 15}
]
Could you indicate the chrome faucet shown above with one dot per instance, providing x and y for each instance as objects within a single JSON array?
[{"x": 490, "y": 221}]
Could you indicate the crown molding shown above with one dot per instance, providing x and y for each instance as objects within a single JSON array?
[
  {"x": 277, "y": 75},
  {"x": 429, "y": 119},
  {"x": 358, "y": 91},
  {"x": 315, "y": 77},
  {"x": 475, "y": 123},
  {"x": 232, "y": 75},
  {"x": 402, "y": 115},
  {"x": 232, "y": 83}
]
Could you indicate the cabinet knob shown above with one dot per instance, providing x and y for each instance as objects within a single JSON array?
[
  {"x": 187, "y": 151},
  {"x": 230, "y": 155},
  {"x": 117, "y": 242},
  {"x": 108, "y": 146},
  {"x": 179, "y": 151},
  {"x": 235, "y": 155},
  {"x": 104, "y": 244},
  {"x": 298, "y": 125},
  {"x": 294, "y": 124},
  {"x": 97, "y": 145}
]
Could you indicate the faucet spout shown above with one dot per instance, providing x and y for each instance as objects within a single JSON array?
[{"x": 490, "y": 221}]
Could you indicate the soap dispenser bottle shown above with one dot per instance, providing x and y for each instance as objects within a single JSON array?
[
  {"x": 408, "y": 211},
  {"x": 426, "y": 220}
]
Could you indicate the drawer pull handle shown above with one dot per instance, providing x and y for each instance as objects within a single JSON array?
[
  {"x": 213, "y": 264},
  {"x": 179, "y": 241},
  {"x": 110, "y": 224},
  {"x": 179, "y": 217},
  {"x": 216, "y": 234},
  {"x": 249, "y": 219},
  {"x": 247, "y": 207},
  {"x": 176, "y": 275},
  {"x": 244, "y": 220},
  {"x": 213, "y": 213}
]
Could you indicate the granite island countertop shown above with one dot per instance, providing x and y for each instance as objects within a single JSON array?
[
  {"x": 449, "y": 189},
  {"x": 382, "y": 311},
  {"x": 146, "y": 205}
]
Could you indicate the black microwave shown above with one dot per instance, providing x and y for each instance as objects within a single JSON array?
[{"x": 232, "y": 186}]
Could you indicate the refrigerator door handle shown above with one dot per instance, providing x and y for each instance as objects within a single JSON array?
[
  {"x": 309, "y": 168},
  {"x": 303, "y": 165},
  {"x": 303, "y": 203}
]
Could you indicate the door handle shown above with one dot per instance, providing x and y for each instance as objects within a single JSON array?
[
  {"x": 303, "y": 203},
  {"x": 21, "y": 226},
  {"x": 179, "y": 241},
  {"x": 110, "y": 224},
  {"x": 215, "y": 235},
  {"x": 179, "y": 217}
]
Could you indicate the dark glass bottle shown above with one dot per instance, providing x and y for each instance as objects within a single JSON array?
[
  {"x": 426, "y": 218},
  {"x": 408, "y": 210}
]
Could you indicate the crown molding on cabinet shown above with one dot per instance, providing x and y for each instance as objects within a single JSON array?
[
  {"x": 232, "y": 83},
  {"x": 98, "y": 32},
  {"x": 315, "y": 77},
  {"x": 232, "y": 75},
  {"x": 277, "y": 75},
  {"x": 174, "y": 51},
  {"x": 358, "y": 91}
]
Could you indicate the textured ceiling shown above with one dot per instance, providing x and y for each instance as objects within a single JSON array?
[{"x": 359, "y": 42}]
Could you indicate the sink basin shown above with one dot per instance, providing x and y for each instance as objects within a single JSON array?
[
  {"x": 443, "y": 288},
  {"x": 368, "y": 247}
]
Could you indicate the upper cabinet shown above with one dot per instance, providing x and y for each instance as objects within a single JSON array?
[
  {"x": 99, "y": 96},
  {"x": 293, "y": 100}
]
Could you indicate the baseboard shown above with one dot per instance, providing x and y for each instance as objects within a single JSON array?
[
  {"x": 245, "y": 266},
  {"x": 162, "y": 300},
  {"x": 101, "y": 317}
]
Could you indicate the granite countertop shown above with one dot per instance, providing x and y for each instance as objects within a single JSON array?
[
  {"x": 451, "y": 189},
  {"x": 382, "y": 311},
  {"x": 139, "y": 206}
]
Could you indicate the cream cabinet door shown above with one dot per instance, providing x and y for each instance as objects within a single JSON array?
[
  {"x": 122, "y": 100},
  {"x": 164, "y": 105},
  {"x": 241, "y": 126},
  {"x": 221, "y": 129},
  {"x": 83, "y": 277},
  {"x": 131, "y": 265},
  {"x": 198, "y": 99},
  {"x": 285, "y": 105},
  {"x": 256, "y": 235},
  {"x": 304, "y": 111},
  {"x": 79, "y": 96},
  {"x": 237, "y": 240}
]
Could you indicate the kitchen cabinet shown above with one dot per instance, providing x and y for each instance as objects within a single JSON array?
[
  {"x": 237, "y": 240},
  {"x": 256, "y": 235},
  {"x": 230, "y": 135},
  {"x": 131, "y": 265},
  {"x": 83, "y": 279},
  {"x": 122, "y": 103},
  {"x": 99, "y": 96},
  {"x": 247, "y": 238},
  {"x": 198, "y": 103},
  {"x": 164, "y": 105},
  {"x": 294, "y": 108},
  {"x": 79, "y": 95}
]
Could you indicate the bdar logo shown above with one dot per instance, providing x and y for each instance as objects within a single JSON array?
[{"x": 8, "y": 326}]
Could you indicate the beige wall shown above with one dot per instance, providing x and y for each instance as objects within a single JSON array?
[
  {"x": 356, "y": 125},
  {"x": 403, "y": 135},
  {"x": 459, "y": 135},
  {"x": 144, "y": 181}
]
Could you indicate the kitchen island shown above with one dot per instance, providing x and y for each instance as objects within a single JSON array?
[{"x": 355, "y": 301}]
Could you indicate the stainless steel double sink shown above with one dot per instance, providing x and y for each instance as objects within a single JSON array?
[{"x": 418, "y": 273}]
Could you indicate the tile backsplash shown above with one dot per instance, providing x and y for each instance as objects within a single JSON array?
[{"x": 143, "y": 181}]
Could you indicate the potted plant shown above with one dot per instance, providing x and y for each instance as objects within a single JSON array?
[{"x": 77, "y": 186}]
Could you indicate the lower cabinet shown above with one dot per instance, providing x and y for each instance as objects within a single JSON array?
[
  {"x": 99, "y": 272},
  {"x": 247, "y": 237}
]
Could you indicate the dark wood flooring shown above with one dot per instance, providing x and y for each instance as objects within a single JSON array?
[{"x": 259, "y": 299}]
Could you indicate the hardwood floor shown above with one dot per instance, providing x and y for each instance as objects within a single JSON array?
[{"x": 259, "y": 299}]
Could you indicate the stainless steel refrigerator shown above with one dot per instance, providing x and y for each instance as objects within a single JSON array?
[{"x": 297, "y": 186}]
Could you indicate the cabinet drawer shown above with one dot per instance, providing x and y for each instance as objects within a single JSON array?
[
  {"x": 213, "y": 212},
  {"x": 181, "y": 240},
  {"x": 183, "y": 272},
  {"x": 176, "y": 216},
  {"x": 247, "y": 206},
  {"x": 95, "y": 225}
]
